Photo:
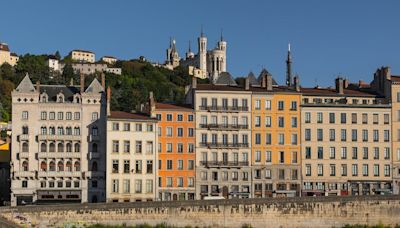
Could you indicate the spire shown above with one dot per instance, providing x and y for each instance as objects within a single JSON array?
[
  {"x": 201, "y": 33},
  {"x": 289, "y": 68},
  {"x": 222, "y": 37},
  {"x": 190, "y": 49},
  {"x": 170, "y": 42}
]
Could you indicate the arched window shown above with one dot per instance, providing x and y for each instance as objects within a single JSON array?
[
  {"x": 52, "y": 166},
  {"x": 60, "y": 147},
  {"x": 77, "y": 131},
  {"x": 68, "y": 166},
  {"x": 60, "y": 166},
  {"x": 94, "y": 147},
  {"x": 77, "y": 147},
  {"x": 52, "y": 147},
  {"x": 44, "y": 98},
  {"x": 25, "y": 166},
  {"x": 25, "y": 130},
  {"x": 68, "y": 146},
  {"x": 68, "y": 131},
  {"x": 77, "y": 166},
  {"x": 94, "y": 166},
  {"x": 25, "y": 147},
  {"x": 60, "y": 131},
  {"x": 43, "y": 147},
  {"x": 43, "y": 166},
  {"x": 60, "y": 98},
  {"x": 43, "y": 130},
  {"x": 52, "y": 130}
]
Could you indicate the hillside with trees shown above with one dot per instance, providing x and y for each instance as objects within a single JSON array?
[{"x": 129, "y": 90}]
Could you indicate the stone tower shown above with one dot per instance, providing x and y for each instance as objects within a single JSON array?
[
  {"x": 202, "y": 43},
  {"x": 289, "y": 68}
]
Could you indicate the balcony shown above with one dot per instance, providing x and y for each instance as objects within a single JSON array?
[
  {"x": 24, "y": 155},
  {"x": 224, "y": 145},
  {"x": 224, "y": 108},
  {"x": 59, "y": 174},
  {"x": 210, "y": 164},
  {"x": 60, "y": 137},
  {"x": 23, "y": 137},
  {"x": 59, "y": 155},
  {"x": 224, "y": 126},
  {"x": 93, "y": 138}
]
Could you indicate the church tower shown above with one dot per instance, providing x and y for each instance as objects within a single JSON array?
[
  {"x": 222, "y": 47},
  {"x": 289, "y": 68},
  {"x": 202, "y": 44}
]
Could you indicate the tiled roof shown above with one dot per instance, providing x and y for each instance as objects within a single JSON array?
[
  {"x": 14, "y": 54},
  {"x": 53, "y": 90},
  {"x": 329, "y": 91},
  {"x": 168, "y": 106},
  {"x": 128, "y": 115},
  {"x": 395, "y": 78},
  {"x": 82, "y": 51},
  {"x": 225, "y": 78},
  {"x": 218, "y": 87}
]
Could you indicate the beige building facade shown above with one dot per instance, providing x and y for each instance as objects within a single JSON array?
[
  {"x": 82, "y": 56},
  {"x": 131, "y": 157},
  {"x": 346, "y": 141},
  {"x": 58, "y": 143},
  {"x": 6, "y": 56}
]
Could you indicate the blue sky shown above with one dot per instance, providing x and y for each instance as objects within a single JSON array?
[{"x": 328, "y": 38}]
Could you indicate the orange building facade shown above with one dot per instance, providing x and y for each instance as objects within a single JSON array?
[
  {"x": 176, "y": 151},
  {"x": 276, "y": 143}
]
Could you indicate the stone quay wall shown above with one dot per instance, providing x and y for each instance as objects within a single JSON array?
[{"x": 284, "y": 212}]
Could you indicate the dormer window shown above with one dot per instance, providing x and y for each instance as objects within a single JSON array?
[
  {"x": 60, "y": 97},
  {"x": 77, "y": 99},
  {"x": 44, "y": 97}
]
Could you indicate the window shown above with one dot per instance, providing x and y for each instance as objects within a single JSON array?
[
  {"x": 268, "y": 104},
  {"x": 294, "y": 122},
  {"x": 376, "y": 135},
  {"x": 25, "y": 115},
  {"x": 281, "y": 105},
  {"x": 319, "y": 117},
  {"x": 169, "y": 117},
  {"x": 307, "y": 134},
  {"x": 190, "y": 164},
  {"x": 332, "y": 118},
  {"x": 320, "y": 152},
  {"x": 203, "y": 102},
  {"x": 354, "y": 153},
  {"x": 281, "y": 139},
  {"x": 344, "y": 169},
  {"x": 77, "y": 115},
  {"x": 127, "y": 126},
  {"x": 24, "y": 184},
  {"x": 179, "y": 117},
  {"x": 293, "y": 105},
  {"x": 354, "y": 169},
  {"x": 190, "y": 132},
  {"x": 127, "y": 166},
  {"x": 365, "y": 135},
  {"x": 169, "y": 164},
  {"x": 281, "y": 157},
  {"x": 138, "y": 186},
  {"x": 43, "y": 115},
  {"x": 294, "y": 157},
  {"x": 386, "y": 153},
  {"x": 307, "y": 117},
  {"x": 308, "y": 152},
  {"x": 258, "y": 156},
  {"x": 294, "y": 139},
  {"x": 365, "y": 118},
  {"x": 344, "y": 152},
  {"x": 386, "y": 170},
  {"x": 138, "y": 127},
  {"x": 319, "y": 135},
  {"x": 386, "y": 118},
  {"x": 343, "y": 118},
  {"x": 115, "y": 126},
  {"x": 376, "y": 153},
  {"x": 332, "y": 152},
  {"x": 149, "y": 186},
  {"x": 268, "y": 174},
  {"x": 169, "y": 181},
  {"x": 126, "y": 186},
  {"x": 257, "y": 138},
  {"x": 365, "y": 152},
  {"x": 343, "y": 135},
  {"x": 127, "y": 146},
  {"x": 138, "y": 166},
  {"x": 257, "y": 121},
  {"x": 354, "y": 118},
  {"x": 354, "y": 135},
  {"x": 268, "y": 156},
  {"x": 365, "y": 170},
  {"x": 115, "y": 166},
  {"x": 169, "y": 131},
  {"x": 268, "y": 121},
  {"x": 281, "y": 121},
  {"x": 257, "y": 105},
  {"x": 190, "y": 148},
  {"x": 180, "y": 132},
  {"x": 308, "y": 170},
  {"x": 333, "y": 170},
  {"x": 158, "y": 116},
  {"x": 332, "y": 135},
  {"x": 169, "y": 147},
  {"x": 149, "y": 167},
  {"x": 115, "y": 146},
  {"x": 386, "y": 135},
  {"x": 138, "y": 147},
  {"x": 190, "y": 118},
  {"x": 375, "y": 119},
  {"x": 376, "y": 170}
]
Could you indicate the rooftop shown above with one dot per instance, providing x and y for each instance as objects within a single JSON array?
[
  {"x": 4, "y": 47},
  {"x": 167, "y": 106},
  {"x": 128, "y": 115},
  {"x": 80, "y": 50}
]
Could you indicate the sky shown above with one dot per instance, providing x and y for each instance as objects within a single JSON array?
[{"x": 328, "y": 38}]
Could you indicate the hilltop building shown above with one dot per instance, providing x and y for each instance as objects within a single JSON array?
[
  {"x": 205, "y": 64},
  {"x": 6, "y": 56},
  {"x": 82, "y": 56}
]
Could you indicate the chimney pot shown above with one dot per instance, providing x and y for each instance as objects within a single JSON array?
[
  {"x": 103, "y": 80},
  {"x": 247, "y": 83},
  {"x": 82, "y": 83}
]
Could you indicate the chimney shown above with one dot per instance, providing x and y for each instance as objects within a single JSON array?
[
  {"x": 194, "y": 82},
  {"x": 38, "y": 86},
  {"x": 108, "y": 101},
  {"x": 246, "y": 83},
  {"x": 268, "y": 82},
  {"x": 152, "y": 103},
  {"x": 339, "y": 85},
  {"x": 82, "y": 83},
  {"x": 297, "y": 83},
  {"x": 103, "y": 80},
  {"x": 263, "y": 81}
]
